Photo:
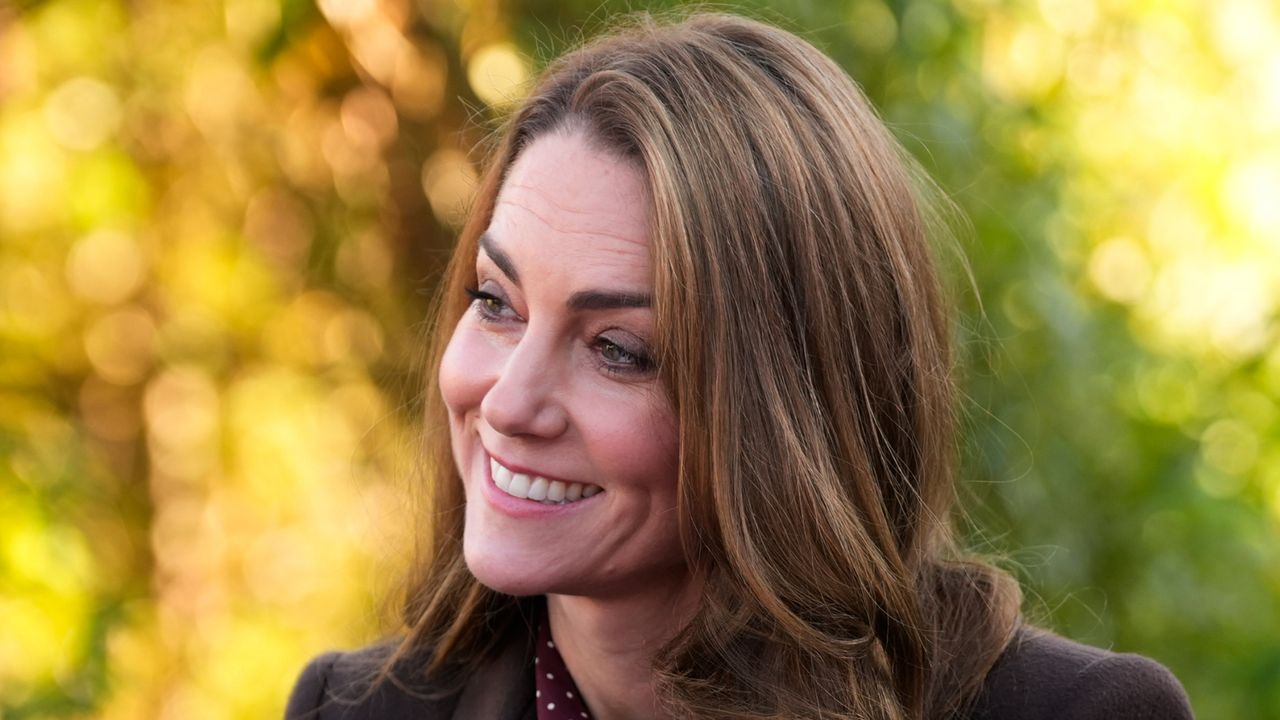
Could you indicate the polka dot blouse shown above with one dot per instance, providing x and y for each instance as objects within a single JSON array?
[{"x": 557, "y": 697}]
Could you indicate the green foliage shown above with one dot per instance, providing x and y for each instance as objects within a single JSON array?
[{"x": 220, "y": 222}]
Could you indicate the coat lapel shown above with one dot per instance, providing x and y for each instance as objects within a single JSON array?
[{"x": 503, "y": 688}]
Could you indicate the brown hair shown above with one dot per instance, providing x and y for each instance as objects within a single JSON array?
[{"x": 804, "y": 344}]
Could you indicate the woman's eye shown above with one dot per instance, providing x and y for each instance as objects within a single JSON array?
[
  {"x": 619, "y": 358},
  {"x": 490, "y": 306}
]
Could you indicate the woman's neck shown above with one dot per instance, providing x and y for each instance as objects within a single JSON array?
[{"x": 608, "y": 644}]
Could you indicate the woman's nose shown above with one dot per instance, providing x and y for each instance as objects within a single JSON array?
[{"x": 526, "y": 399}]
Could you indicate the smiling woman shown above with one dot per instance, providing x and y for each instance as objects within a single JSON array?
[
  {"x": 552, "y": 392},
  {"x": 695, "y": 369}
]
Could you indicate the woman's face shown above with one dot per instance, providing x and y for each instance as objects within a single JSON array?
[{"x": 564, "y": 438}]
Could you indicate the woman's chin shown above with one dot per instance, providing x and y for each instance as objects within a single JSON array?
[{"x": 505, "y": 575}]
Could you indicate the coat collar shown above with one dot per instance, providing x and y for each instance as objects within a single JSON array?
[{"x": 502, "y": 689}]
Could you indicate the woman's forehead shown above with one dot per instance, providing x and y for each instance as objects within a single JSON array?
[{"x": 566, "y": 184}]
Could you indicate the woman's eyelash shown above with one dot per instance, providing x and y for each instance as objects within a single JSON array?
[
  {"x": 489, "y": 305},
  {"x": 618, "y": 359}
]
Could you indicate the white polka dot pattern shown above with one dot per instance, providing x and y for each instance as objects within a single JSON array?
[{"x": 554, "y": 683}]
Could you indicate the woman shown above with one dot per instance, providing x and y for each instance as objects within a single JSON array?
[{"x": 695, "y": 370}]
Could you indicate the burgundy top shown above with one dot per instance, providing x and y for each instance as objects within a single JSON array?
[{"x": 557, "y": 696}]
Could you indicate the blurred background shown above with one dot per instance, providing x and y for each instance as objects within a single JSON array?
[{"x": 220, "y": 223}]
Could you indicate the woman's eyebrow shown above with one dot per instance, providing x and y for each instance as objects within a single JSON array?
[
  {"x": 606, "y": 300},
  {"x": 581, "y": 300},
  {"x": 499, "y": 258}
]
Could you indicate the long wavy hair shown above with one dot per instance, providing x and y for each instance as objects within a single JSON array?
[{"x": 802, "y": 338}]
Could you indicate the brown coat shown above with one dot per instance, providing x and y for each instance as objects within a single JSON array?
[{"x": 1039, "y": 676}]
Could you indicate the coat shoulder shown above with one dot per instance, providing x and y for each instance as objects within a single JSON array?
[
  {"x": 1043, "y": 675},
  {"x": 348, "y": 686}
]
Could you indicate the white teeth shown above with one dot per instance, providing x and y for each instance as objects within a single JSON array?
[
  {"x": 555, "y": 491},
  {"x": 501, "y": 475},
  {"x": 538, "y": 489},
  {"x": 519, "y": 485}
]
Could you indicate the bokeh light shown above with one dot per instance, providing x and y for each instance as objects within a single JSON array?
[{"x": 220, "y": 224}]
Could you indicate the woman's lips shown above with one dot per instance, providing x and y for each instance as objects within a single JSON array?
[
  {"x": 527, "y": 486},
  {"x": 516, "y": 506}
]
